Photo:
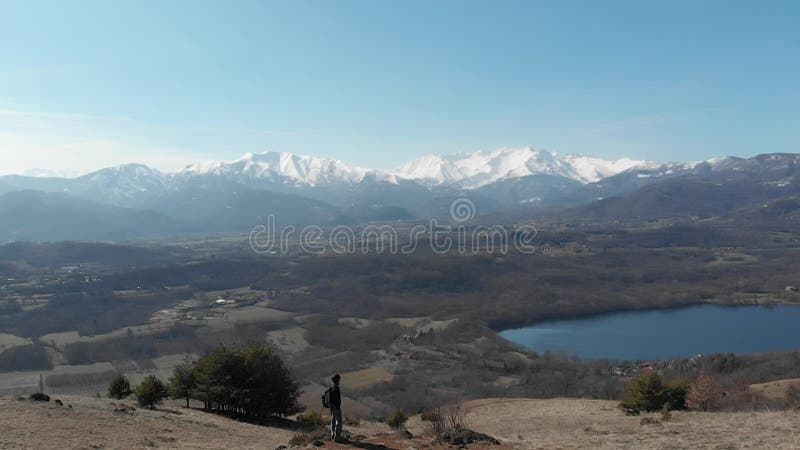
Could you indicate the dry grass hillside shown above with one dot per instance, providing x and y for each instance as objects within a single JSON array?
[
  {"x": 578, "y": 423},
  {"x": 775, "y": 390},
  {"x": 518, "y": 423}
]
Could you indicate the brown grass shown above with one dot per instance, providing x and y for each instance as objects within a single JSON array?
[
  {"x": 92, "y": 423},
  {"x": 362, "y": 379},
  {"x": 775, "y": 390},
  {"x": 577, "y": 423},
  {"x": 518, "y": 423}
]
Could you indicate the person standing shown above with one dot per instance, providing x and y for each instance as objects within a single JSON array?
[{"x": 336, "y": 409}]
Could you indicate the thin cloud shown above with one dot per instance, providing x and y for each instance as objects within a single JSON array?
[
  {"x": 60, "y": 116},
  {"x": 224, "y": 129}
]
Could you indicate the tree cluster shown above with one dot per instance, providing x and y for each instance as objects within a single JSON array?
[{"x": 249, "y": 380}]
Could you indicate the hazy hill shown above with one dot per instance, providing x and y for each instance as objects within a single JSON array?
[
  {"x": 536, "y": 190},
  {"x": 64, "y": 253},
  {"x": 135, "y": 202},
  {"x": 734, "y": 184},
  {"x": 211, "y": 210},
  {"x": 39, "y": 216},
  {"x": 681, "y": 197}
]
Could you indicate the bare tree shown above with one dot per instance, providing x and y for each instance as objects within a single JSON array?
[{"x": 703, "y": 393}]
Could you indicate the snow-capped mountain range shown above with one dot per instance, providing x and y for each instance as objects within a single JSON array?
[
  {"x": 285, "y": 167},
  {"x": 474, "y": 170},
  {"x": 466, "y": 170},
  {"x": 337, "y": 182},
  {"x": 134, "y": 200}
]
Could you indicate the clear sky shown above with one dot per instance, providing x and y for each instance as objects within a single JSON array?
[{"x": 85, "y": 84}]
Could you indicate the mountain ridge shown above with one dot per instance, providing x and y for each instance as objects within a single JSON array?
[
  {"x": 468, "y": 170},
  {"x": 231, "y": 197}
]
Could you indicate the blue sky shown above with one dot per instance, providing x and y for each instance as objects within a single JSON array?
[{"x": 92, "y": 83}]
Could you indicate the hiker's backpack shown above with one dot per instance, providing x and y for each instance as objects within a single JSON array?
[{"x": 326, "y": 399}]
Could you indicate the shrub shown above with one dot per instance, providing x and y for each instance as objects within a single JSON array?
[
  {"x": 455, "y": 418},
  {"x": 630, "y": 411},
  {"x": 39, "y": 397},
  {"x": 312, "y": 418},
  {"x": 119, "y": 388},
  {"x": 648, "y": 421},
  {"x": 435, "y": 419},
  {"x": 397, "y": 420},
  {"x": 444, "y": 419},
  {"x": 150, "y": 392},
  {"x": 351, "y": 421},
  {"x": 666, "y": 413},
  {"x": 675, "y": 394},
  {"x": 431, "y": 415},
  {"x": 648, "y": 392},
  {"x": 793, "y": 396},
  {"x": 703, "y": 394},
  {"x": 300, "y": 440}
]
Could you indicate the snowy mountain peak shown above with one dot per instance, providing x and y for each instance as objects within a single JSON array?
[
  {"x": 473, "y": 170},
  {"x": 282, "y": 166},
  {"x": 127, "y": 172},
  {"x": 589, "y": 169}
]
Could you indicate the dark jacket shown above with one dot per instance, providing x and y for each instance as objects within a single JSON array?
[{"x": 336, "y": 398}]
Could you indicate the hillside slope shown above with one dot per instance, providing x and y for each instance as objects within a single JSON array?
[
  {"x": 93, "y": 423},
  {"x": 581, "y": 423},
  {"x": 518, "y": 423}
]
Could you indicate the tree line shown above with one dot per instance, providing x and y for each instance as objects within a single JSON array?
[{"x": 249, "y": 381}]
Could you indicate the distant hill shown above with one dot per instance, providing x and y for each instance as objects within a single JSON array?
[
  {"x": 64, "y": 253},
  {"x": 672, "y": 198},
  {"x": 204, "y": 209},
  {"x": 40, "y": 216},
  {"x": 536, "y": 191},
  {"x": 707, "y": 193},
  {"x": 137, "y": 202}
]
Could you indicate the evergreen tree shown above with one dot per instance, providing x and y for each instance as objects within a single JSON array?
[
  {"x": 249, "y": 380},
  {"x": 150, "y": 392},
  {"x": 182, "y": 382},
  {"x": 119, "y": 388},
  {"x": 648, "y": 392}
]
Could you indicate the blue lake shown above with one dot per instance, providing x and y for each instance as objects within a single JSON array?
[{"x": 667, "y": 333}]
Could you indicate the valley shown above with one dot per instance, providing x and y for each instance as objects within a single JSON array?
[
  {"x": 406, "y": 330},
  {"x": 399, "y": 225}
]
